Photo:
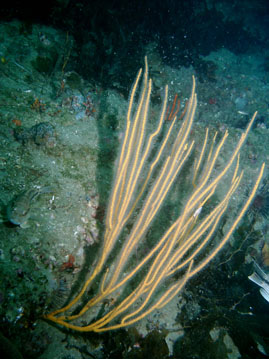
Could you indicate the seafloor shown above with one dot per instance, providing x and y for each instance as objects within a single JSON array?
[{"x": 59, "y": 138}]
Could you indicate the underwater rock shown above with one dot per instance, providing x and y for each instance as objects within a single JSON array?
[
  {"x": 42, "y": 134},
  {"x": 18, "y": 209}
]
